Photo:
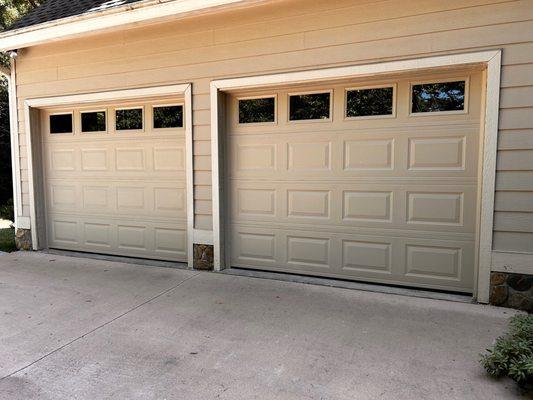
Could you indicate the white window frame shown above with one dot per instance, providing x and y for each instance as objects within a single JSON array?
[
  {"x": 394, "y": 87},
  {"x": 246, "y": 124},
  {"x": 490, "y": 59},
  {"x": 49, "y": 125},
  {"x": 443, "y": 80},
  {"x": 123, "y": 131},
  {"x": 175, "y": 104},
  {"x": 104, "y": 110},
  {"x": 307, "y": 121}
]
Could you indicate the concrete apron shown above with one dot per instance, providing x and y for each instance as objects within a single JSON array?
[{"x": 94, "y": 329}]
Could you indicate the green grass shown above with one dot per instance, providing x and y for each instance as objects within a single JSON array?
[{"x": 7, "y": 240}]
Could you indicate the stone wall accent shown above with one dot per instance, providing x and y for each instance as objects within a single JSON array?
[
  {"x": 512, "y": 290},
  {"x": 203, "y": 258},
  {"x": 23, "y": 239}
]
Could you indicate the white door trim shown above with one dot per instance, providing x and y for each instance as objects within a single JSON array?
[
  {"x": 184, "y": 90},
  {"x": 490, "y": 59}
]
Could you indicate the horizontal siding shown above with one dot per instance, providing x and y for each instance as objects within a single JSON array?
[{"x": 296, "y": 35}]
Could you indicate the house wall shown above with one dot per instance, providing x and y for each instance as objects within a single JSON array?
[{"x": 297, "y": 35}]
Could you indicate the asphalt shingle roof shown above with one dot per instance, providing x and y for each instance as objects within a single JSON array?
[{"x": 52, "y": 10}]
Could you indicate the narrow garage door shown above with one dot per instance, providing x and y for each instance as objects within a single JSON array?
[
  {"x": 114, "y": 179},
  {"x": 370, "y": 180}
]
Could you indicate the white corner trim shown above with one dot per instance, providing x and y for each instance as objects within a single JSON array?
[
  {"x": 488, "y": 181},
  {"x": 187, "y": 93},
  {"x": 490, "y": 59},
  {"x": 203, "y": 237},
  {"x": 184, "y": 90},
  {"x": 11, "y": 76},
  {"x": 116, "y": 17},
  {"x": 518, "y": 263}
]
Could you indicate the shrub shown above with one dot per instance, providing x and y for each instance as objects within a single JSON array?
[
  {"x": 7, "y": 211},
  {"x": 7, "y": 240},
  {"x": 512, "y": 354}
]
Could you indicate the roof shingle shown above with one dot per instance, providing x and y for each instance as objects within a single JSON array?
[{"x": 52, "y": 10}]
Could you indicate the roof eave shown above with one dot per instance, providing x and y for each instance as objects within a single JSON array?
[{"x": 114, "y": 18}]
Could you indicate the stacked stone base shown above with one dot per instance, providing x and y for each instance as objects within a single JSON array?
[
  {"x": 23, "y": 239},
  {"x": 512, "y": 290},
  {"x": 203, "y": 258}
]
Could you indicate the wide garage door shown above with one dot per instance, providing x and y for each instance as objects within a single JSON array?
[
  {"x": 114, "y": 179},
  {"x": 368, "y": 180}
]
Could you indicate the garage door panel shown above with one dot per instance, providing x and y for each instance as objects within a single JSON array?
[
  {"x": 390, "y": 199},
  {"x": 121, "y": 193}
]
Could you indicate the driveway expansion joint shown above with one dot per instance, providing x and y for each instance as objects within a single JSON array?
[{"x": 101, "y": 326}]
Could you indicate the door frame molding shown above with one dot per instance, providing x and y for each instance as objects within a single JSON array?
[
  {"x": 35, "y": 195},
  {"x": 490, "y": 60}
]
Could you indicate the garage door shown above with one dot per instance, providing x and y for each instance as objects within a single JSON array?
[
  {"x": 114, "y": 179},
  {"x": 368, "y": 180}
]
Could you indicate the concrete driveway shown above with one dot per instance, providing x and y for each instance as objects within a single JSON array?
[{"x": 74, "y": 328}]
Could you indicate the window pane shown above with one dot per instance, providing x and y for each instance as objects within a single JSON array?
[
  {"x": 441, "y": 96},
  {"x": 168, "y": 117},
  {"x": 93, "y": 121},
  {"x": 257, "y": 110},
  {"x": 129, "y": 119},
  {"x": 309, "y": 106},
  {"x": 369, "y": 102},
  {"x": 61, "y": 123}
]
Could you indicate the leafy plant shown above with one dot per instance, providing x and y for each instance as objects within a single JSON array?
[
  {"x": 512, "y": 354},
  {"x": 7, "y": 240},
  {"x": 7, "y": 211}
]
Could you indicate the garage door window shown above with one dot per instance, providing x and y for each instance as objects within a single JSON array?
[
  {"x": 438, "y": 97},
  {"x": 61, "y": 123},
  {"x": 370, "y": 102},
  {"x": 310, "y": 106},
  {"x": 93, "y": 121},
  {"x": 257, "y": 110},
  {"x": 129, "y": 119},
  {"x": 170, "y": 116}
]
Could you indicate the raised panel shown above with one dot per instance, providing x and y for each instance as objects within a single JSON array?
[
  {"x": 308, "y": 203},
  {"x": 370, "y": 206},
  {"x": 170, "y": 240},
  {"x": 131, "y": 237},
  {"x": 308, "y": 251},
  {"x": 169, "y": 199},
  {"x": 256, "y": 202},
  {"x": 256, "y": 246},
  {"x": 368, "y": 154},
  {"x": 95, "y": 197},
  {"x": 366, "y": 256},
  {"x": 94, "y": 160},
  {"x": 256, "y": 158},
  {"x": 65, "y": 231},
  {"x": 130, "y": 198},
  {"x": 97, "y": 234},
  {"x": 169, "y": 159},
  {"x": 435, "y": 208},
  {"x": 437, "y": 153},
  {"x": 130, "y": 159},
  {"x": 309, "y": 156},
  {"x": 62, "y": 160},
  {"x": 63, "y": 196},
  {"x": 433, "y": 261}
]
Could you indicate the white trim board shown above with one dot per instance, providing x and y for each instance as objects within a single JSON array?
[
  {"x": 184, "y": 90},
  {"x": 11, "y": 76},
  {"x": 517, "y": 263},
  {"x": 491, "y": 60},
  {"x": 112, "y": 19}
]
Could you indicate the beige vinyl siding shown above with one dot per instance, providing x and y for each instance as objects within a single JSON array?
[{"x": 296, "y": 35}]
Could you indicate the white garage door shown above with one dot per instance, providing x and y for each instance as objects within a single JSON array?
[
  {"x": 373, "y": 181},
  {"x": 114, "y": 179}
]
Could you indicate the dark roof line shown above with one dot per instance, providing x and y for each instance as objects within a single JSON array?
[{"x": 52, "y": 10}]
